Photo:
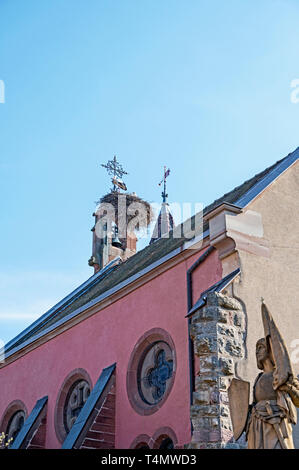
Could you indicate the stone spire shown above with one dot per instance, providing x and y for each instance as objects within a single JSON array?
[{"x": 165, "y": 221}]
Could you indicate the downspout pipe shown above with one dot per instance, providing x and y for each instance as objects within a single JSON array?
[{"x": 195, "y": 265}]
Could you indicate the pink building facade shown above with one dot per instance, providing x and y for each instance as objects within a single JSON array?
[
  {"x": 109, "y": 336},
  {"x": 136, "y": 318}
]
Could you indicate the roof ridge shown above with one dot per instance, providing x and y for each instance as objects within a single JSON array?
[{"x": 257, "y": 175}]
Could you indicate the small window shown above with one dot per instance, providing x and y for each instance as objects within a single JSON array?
[
  {"x": 151, "y": 371},
  {"x": 72, "y": 396},
  {"x": 15, "y": 424},
  {"x": 142, "y": 445},
  {"x": 167, "y": 443},
  {"x": 75, "y": 400},
  {"x": 154, "y": 372}
]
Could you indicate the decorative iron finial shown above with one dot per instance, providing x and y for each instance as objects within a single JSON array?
[
  {"x": 115, "y": 169},
  {"x": 164, "y": 194}
]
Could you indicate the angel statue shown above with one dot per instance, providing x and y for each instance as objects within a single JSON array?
[{"x": 268, "y": 421}]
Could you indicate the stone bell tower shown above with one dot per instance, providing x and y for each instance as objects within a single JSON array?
[
  {"x": 107, "y": 245},
  {"x": 114, "y": 231}
]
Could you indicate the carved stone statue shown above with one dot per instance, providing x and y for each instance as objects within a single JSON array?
[{"x": 268, "y": 420}]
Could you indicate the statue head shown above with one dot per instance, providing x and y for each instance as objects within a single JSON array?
[{"x": 263, "y": 353}]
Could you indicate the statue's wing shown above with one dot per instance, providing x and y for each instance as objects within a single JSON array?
[
  {"x": 238, "y": 395},
  {"x": 283, "y": 368}
]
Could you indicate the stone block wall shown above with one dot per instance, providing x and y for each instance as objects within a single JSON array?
[{"x": 218, "y": 332}]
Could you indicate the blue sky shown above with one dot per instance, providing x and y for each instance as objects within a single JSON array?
[{"x": 201, "y": 86}]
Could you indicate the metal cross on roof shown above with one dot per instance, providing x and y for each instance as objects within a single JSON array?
[
  {"x": 164, "y": 194},
  {"x": 115, "y": 169}
]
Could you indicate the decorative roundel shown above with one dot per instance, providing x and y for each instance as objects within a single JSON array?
[
  {"x": 15, "y": 424},
  {"x": 151, "y": 371},
  {"x": 155, "y": 370},
  {"x": 75, "y": 400}
]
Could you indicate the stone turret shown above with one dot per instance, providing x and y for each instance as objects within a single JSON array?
[{"x": 164, "y": 223}]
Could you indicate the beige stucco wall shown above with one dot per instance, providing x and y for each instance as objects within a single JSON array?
[{"x": 275, "y": 278}]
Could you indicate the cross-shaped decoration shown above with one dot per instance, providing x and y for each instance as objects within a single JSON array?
[
  {"x": 166, "y": 174},
  {"x": 75, "y": 403},
  {"x": 158, "y": 375},
  {"x": 115, "y": 169}
]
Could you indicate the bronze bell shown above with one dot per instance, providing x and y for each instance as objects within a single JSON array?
[{"x": 115, "y": 240}]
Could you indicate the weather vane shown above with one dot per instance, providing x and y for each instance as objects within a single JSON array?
[
  {"x": 164, "y": 194},
  {"x": 115, "y": 169}
]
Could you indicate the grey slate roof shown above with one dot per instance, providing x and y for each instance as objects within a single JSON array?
[{"x": 240, "y": 196}]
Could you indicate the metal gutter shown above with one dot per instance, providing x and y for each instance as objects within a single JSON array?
[
  {"x": 218, "y": 287},
  {"x": 199, "y": 261}
]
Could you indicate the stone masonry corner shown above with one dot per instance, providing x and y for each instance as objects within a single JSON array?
[{"x": 218, "y": 334}]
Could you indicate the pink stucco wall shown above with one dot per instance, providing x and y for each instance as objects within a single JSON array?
[{"x": 109, "y": 337}]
